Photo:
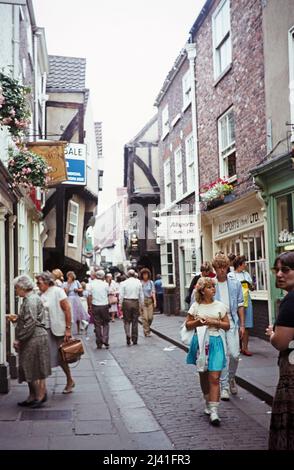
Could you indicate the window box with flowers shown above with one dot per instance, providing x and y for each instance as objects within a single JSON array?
[
  {"x": 14, "y": 109},
  {"x": 27, "y": 169},
  {"x": 217, "y": 193}
]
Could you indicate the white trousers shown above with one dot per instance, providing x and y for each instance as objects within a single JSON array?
[{"x": 233, "y": 353}]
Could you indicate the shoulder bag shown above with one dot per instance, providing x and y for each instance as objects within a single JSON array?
[{"x": 72, "y": 350}]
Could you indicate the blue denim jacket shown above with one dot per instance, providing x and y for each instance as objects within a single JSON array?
[{"x": 235, "y": 296}]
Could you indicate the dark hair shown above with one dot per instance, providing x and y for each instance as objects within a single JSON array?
[
  {"x": 231, "y": 256},
  {"x": 121, "y": 278},
  {"x": 238, "y": 261},
  {"x": 206, "y": 266},
  {"x": 286, "y": 259},
  {"x": 145, "y": 271}
]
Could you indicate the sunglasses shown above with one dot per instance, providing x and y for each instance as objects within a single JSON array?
[{"x": 283, "y": 269}]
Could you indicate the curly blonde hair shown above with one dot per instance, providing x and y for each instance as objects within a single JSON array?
[
  {"x": 202, "y": 283},
  {"x": 220, "y": 261}
]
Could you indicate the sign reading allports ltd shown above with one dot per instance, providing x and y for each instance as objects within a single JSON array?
[{"x": 75, "y": 157}]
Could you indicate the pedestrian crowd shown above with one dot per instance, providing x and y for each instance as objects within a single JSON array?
[
  {"x": 218, "y": 322},
  {"x": 53, "y": 309}
]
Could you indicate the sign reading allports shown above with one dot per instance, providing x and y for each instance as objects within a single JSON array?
[
  {"x": 177, "y": 227},
  {"x": 75, "y": 157}
]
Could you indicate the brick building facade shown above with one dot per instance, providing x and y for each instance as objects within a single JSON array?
[{"x": 231, "y": 139}]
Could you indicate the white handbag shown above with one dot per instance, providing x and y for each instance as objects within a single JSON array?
[{"x": 186, "y": 335}]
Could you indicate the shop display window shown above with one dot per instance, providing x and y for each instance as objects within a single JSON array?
[{"x": 252, "y": 246}]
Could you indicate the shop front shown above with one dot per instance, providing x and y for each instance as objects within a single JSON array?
[
  {"x": 276, "y": 180},
  {"x": 239, "y": 228}
]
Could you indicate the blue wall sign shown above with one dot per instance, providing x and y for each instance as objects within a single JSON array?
[{"x": 75, "y": 156}]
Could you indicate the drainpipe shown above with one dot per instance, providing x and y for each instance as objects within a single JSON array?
[
  {"x": 36, "y": 90},
  {"x": 191, "y": 51},
  {"x": 44, "y": 99}
]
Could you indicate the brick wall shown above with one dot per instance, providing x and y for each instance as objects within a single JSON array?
[
  {"x": 242, "y": 87},
  {"x": 181, "y": 130}
]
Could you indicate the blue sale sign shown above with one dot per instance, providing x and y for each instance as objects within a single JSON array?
[{"x": 75, "y": 156}]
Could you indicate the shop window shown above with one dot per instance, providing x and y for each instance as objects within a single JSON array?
[
  {"x": 167, "y": 264},
  {"x": 252, "y": 246},
  {"x": 190, "y": 262},
  {"x": 227, "y": 150},
  {"x": 285, "y": 218}
]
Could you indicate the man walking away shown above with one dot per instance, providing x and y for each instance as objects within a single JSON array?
[
  {"x": 99, "y": 290},
  {"x": 131, "y": 298},
  {"x": 159, "y": 292},
  {"x": 229, "y": 292}
]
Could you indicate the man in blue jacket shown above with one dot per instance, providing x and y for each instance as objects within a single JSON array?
[{"x": 229, "y": 292}]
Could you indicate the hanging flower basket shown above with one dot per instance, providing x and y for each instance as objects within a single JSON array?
[
  {"x": 217, "y": 193},
  {"x": 27, "y": 169},
  {"x": 14, "y": 110}
]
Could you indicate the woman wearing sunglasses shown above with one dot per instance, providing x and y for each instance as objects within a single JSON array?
[{"x": 282, "y": 338}]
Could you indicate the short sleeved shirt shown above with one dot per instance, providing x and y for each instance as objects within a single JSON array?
[
  {"x": 286, "y": 311},
  {"x": 55, "y": 315},
  {"x": 215, "y": 310}
]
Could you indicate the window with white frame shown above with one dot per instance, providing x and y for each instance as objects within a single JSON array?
[
  {"x": 187, "y": 89},
  {"x": 222, "y": 47},
  {"x": 190, "y": 162},
  {"x": 252, "y": 246},
  {"x": 227, "y": 149},
  {"x": 165, "y": 122},
  {"x": 22, "y": 237},
  {"x": 36, "y": 249},
  {"x": 190, "y": 261},
  {"x": 167, "y": 264},
  {"x": 167, "y": 182},
  {"x": 291, "y": 77},
  {"x": 73, "y": 220},
  {"x": 179, "y": 172}
]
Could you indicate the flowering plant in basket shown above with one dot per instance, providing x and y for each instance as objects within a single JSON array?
[
  {"x": 216, "y": 191},
  {"x": 14, "y": 110},
  {"x": 28, "y": 169}
]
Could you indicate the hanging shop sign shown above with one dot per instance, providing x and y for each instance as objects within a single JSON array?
[
  {"x": 53, "y": 153},
  {"x": 176, "y": 227},
  {"x": 75, "y": 156},
  {"x": 239, "y": 223}
]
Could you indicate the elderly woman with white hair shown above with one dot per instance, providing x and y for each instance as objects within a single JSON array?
[
  {"x": 58, "y": 320},
  {"x": 31, "y": 343}
]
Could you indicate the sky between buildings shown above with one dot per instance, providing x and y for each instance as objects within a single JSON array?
[{"x": 130, "y": 46}]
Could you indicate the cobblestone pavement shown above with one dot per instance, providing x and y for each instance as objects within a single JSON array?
[{"x": 171, "y": 391}]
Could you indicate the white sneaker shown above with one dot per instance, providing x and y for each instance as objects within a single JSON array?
[
  {"x": 214, "y": 418},
  {"x": 233, "y": 387},
  {"x": 206, "y": 410},
  {"x": 225, "y": 396}
]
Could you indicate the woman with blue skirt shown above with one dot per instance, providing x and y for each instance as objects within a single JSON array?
[{"x": 209, "y": 318}]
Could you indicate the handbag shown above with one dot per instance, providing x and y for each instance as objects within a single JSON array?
[
  {"x": 72, "y": 350},
  {"x": 112, "y": 299},
  {"x": 186, "y": 335}
]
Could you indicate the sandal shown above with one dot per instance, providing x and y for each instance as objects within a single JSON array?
[{"x": 68, "y": 389}]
